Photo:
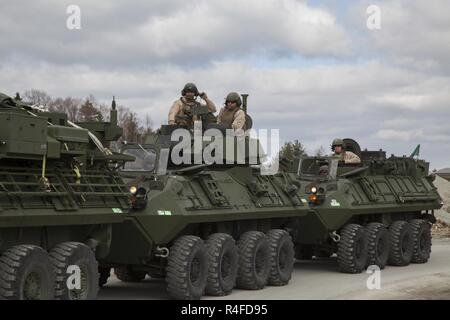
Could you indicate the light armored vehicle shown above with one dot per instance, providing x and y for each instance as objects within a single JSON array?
[
  {"x": 205, "y": 228},
  {"x": 376, "y": 212},
  {"x": 59, "y": 196}
]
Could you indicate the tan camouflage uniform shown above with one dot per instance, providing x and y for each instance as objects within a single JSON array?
[
  {"x": 233, "y": 119},
  {"x": 181, "y": 106},
  {"x": 350, "y": 157}
]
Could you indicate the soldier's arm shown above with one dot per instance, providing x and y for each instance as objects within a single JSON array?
[
  {"x": 174, "y": 110},
  {"x": 352, "y": 158},
  {"x": 239, "y": 121},
  {"x": 211, "y": 106}
]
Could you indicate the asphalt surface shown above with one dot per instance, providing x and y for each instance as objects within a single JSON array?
[{"x": 320, "y": 279}]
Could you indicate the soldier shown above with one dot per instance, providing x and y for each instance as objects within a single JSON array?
[
  {"x": 180, "y": 110},
  {"x": 323, "y": 171},
  {"x": 232, "y": 116},
  {"x": 338, "y": 147}
]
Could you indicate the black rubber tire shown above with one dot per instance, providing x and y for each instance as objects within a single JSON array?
[
  {"x": 75, "y": 254},
  {"x": 223, "y": 264},
  {"x": 187, "y": 268},
  {"x": 254, "y": 261},
  {"x": 21, "y": 264},
  {"x": 401, "y": 244},
  {"x": 352, "y": 249},
  {"x": 127, "y": 274},
  {"x": 104, "y": 274},
  {"x": 422, "y": 241},
  {"x": 304, "y": 252},
  {"x": 378, "y": 237},
  {"x": 282, "y": 257}
]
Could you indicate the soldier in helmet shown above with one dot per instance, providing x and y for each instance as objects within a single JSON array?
[
  {"x": 180, "y": 110},
  {"x": 231, "y": 115},
  {"x": 338, "y": 146}
]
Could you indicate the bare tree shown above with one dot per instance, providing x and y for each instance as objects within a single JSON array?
[
  {"x": 36, "y": 97},
  {"x": 72, "y": 107},
  {"x": 130, "y": 127},
  {"x": 134, "y": 128},
  {"x": 68, "y": 105},
  {"x": 321, "y": 152}
]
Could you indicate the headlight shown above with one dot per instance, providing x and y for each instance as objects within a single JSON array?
[
  {"x": 317, "y": 195},
  {"x": 138, "y": 199}
]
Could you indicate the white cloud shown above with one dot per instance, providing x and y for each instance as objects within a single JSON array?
[
  {"x": 414, "y": 33},
  {"x": 396, "y": 135},
  {"x": 130, "y": 33},
  {"x": 388, "y": 88}
]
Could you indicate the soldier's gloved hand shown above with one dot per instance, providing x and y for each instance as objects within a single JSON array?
[{"x": 203, "y": 95}]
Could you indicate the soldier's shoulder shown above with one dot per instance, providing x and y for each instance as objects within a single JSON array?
[
  {"x": 177, "y": 102},
  {"x": 240, "y": 113}
]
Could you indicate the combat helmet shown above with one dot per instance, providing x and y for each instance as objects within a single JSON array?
[
  {"x": 337, "y": 142},
  {"x": 234, "y": 97},
  {"x": 189, "y": 87}
]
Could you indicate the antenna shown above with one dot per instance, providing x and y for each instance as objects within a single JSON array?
[
  {"x": 244, "y": 101},
  {"x": 113, "y": 104}
]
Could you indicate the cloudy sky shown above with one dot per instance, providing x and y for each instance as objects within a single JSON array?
[{"x": 312, "y": 68}]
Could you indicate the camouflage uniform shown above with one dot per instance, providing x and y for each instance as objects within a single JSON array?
[
  {"x": 346, "y": 156},
  {"x": 182, "y": 107},
  {"x": 350, "y": 157},
  {"x": 233, "y": 119}
]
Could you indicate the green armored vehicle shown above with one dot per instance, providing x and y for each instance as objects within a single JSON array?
[
  {"x": 205, "y": 228},
  {"x": 375, "y": 212},
  {"x": 59, "y": 196}
]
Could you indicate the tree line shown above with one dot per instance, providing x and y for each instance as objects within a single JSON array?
[
  {"x": 89, "y": 109},
  {"x": 134, "y": 127},
  {"x": 294, "y": 149}
]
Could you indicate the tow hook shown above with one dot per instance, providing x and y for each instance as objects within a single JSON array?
[
  {"x": 162, "y": 252},
  {"x": 335, "y": 237}
]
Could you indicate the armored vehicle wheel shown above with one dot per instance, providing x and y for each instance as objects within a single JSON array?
[
  {"x": 422, "y": 241},
  {"x": 401, "y": 243},
  {"x": 128, "y": 274},
  {"x": 281, "y": 257},
  {"x": 304, "y": 252},
  {"x": 254, "y": 261},
  {"x": 352, "y": 250},
  {"x": 104, "y": 274},
  {"x": 223, "y": 264},
  {"x": 26, "y": 273},
  {"x": 187, "y": 268},
  {"x": 378, "y": 245},
  {"x": 67, "y": 255}
]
